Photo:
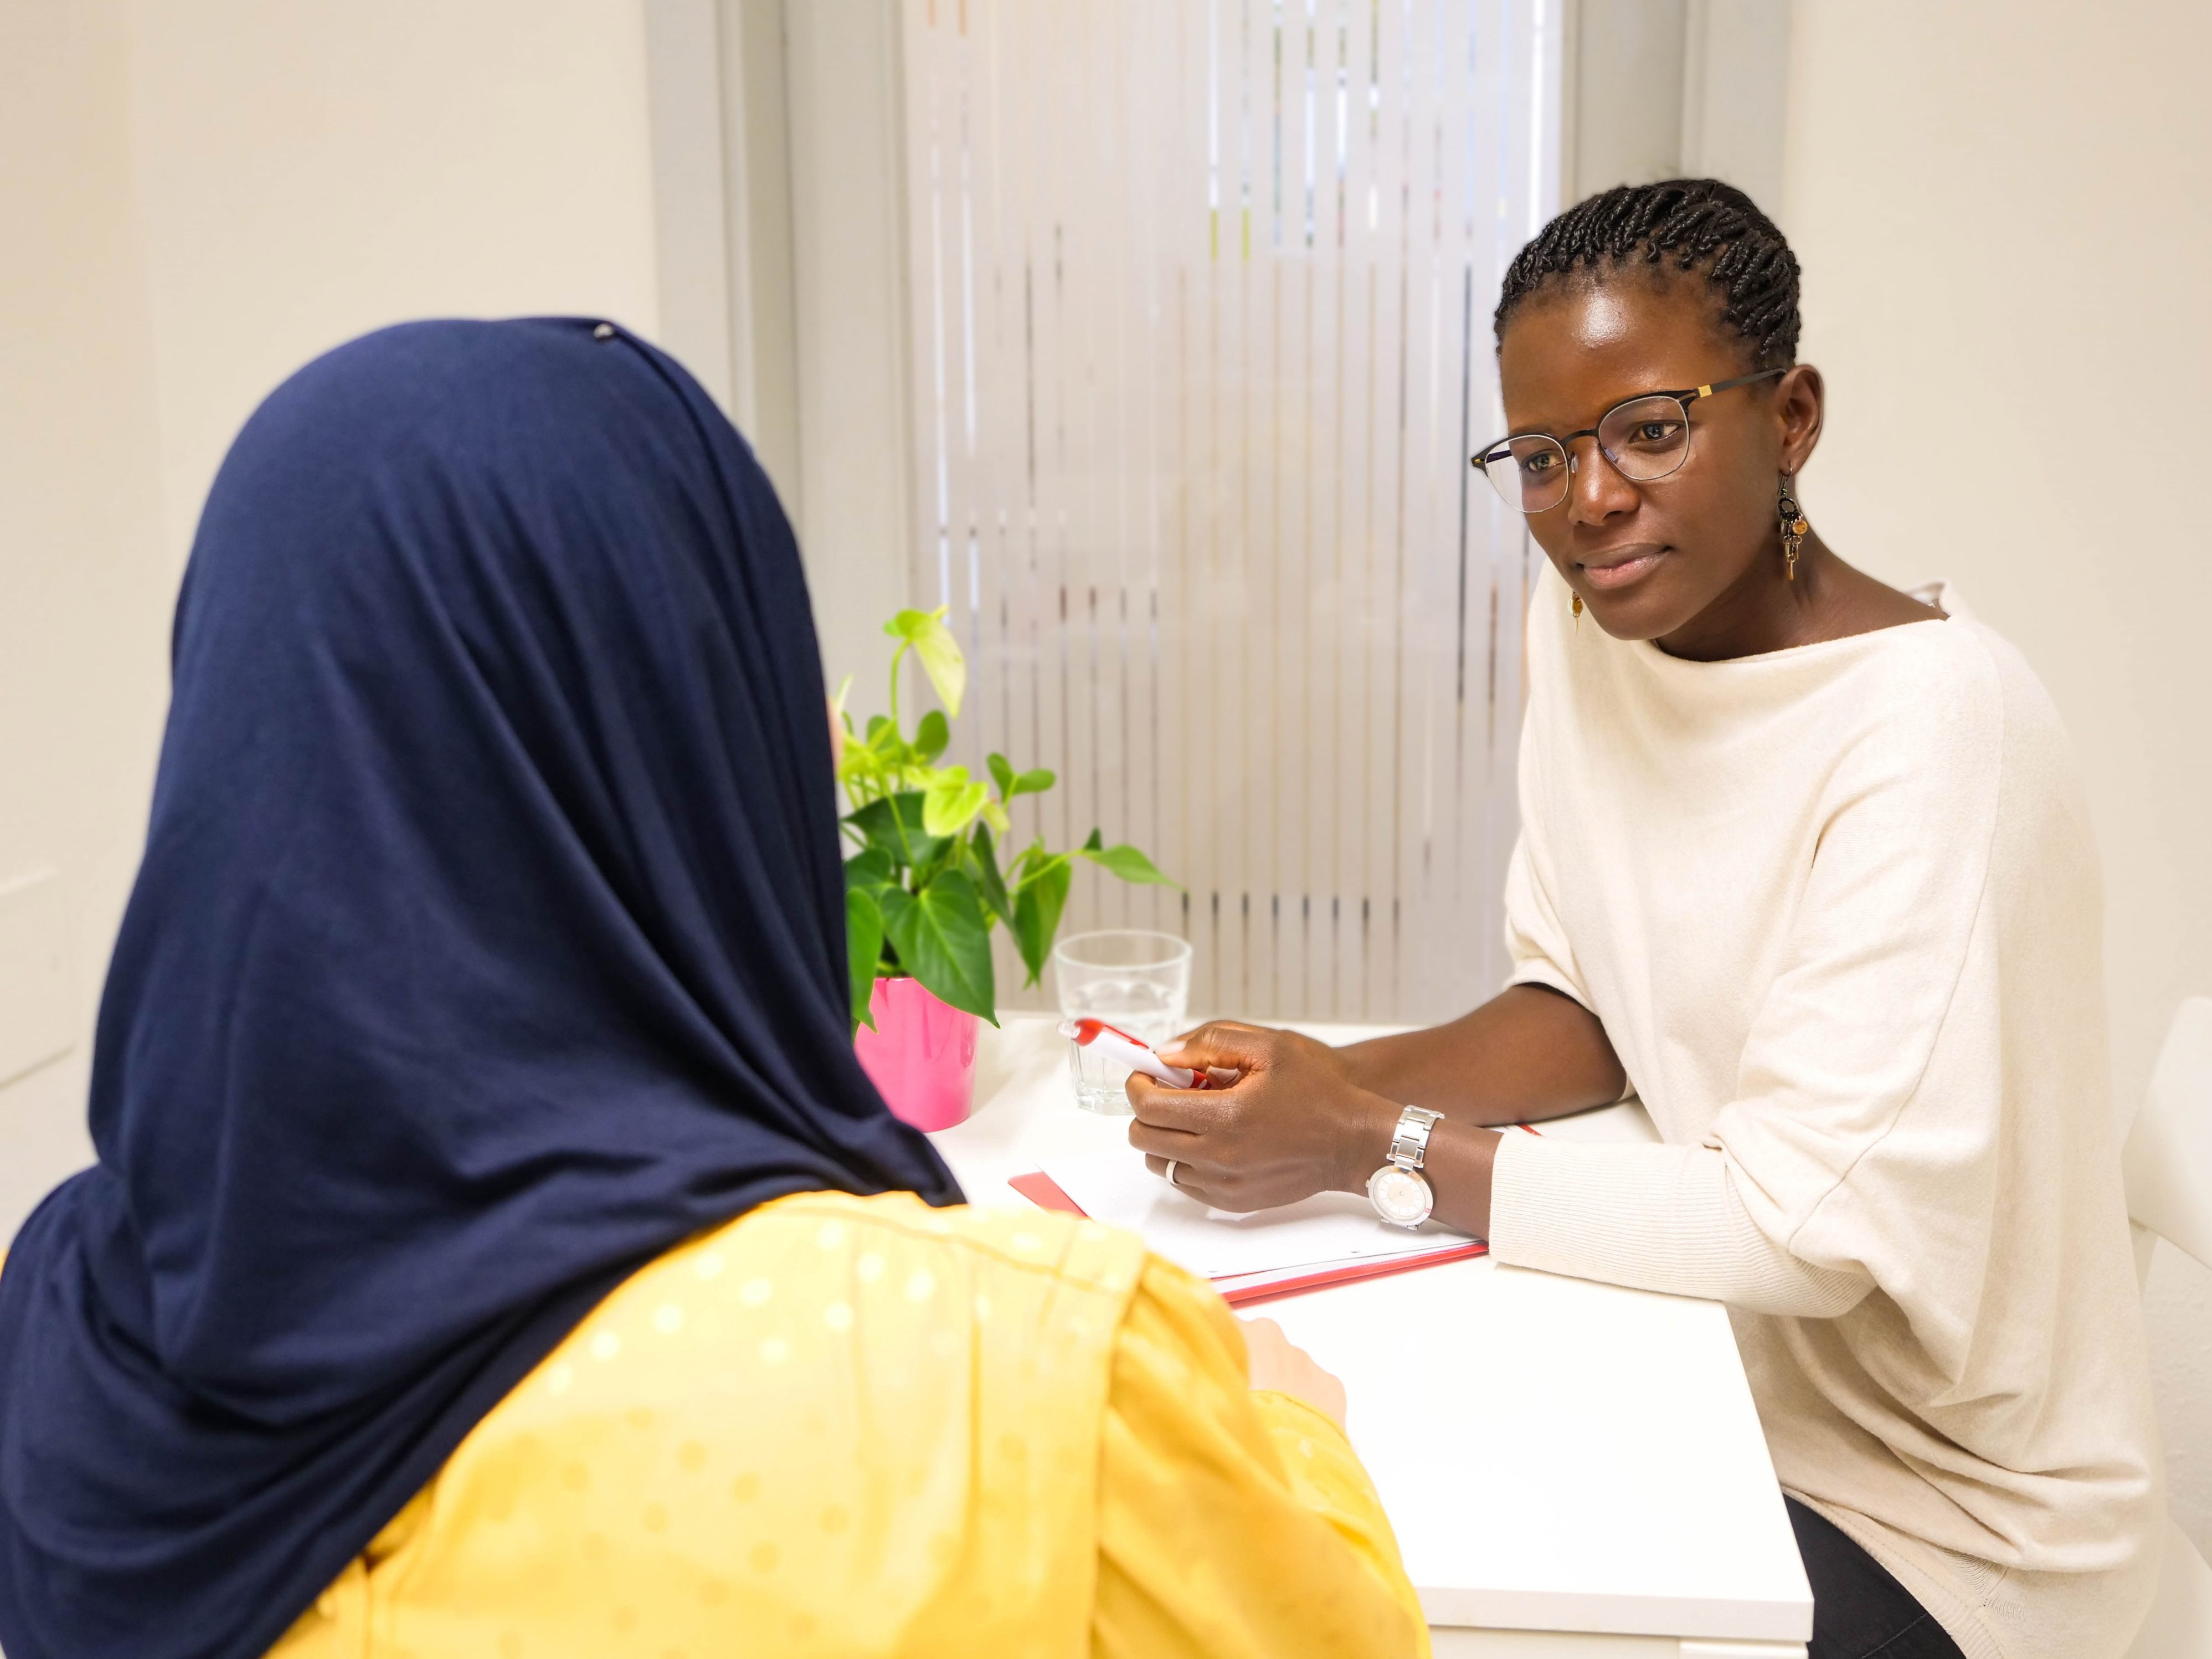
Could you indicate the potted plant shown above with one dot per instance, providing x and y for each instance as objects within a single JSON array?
[{"x": 924, "y": 886}]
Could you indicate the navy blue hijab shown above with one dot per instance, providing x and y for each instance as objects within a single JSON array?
[{"x": 489, "y": 940}]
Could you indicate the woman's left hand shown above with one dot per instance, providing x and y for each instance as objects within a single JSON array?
[{"x": 1290, "y": 1125}]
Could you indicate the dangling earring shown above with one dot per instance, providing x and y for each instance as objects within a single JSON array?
[
  {"x": 1793, "y": 527},
  {"x": 1578, "y": 612}
]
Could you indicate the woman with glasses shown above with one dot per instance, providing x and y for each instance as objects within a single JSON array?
[{"x": 1803, "y": 865}]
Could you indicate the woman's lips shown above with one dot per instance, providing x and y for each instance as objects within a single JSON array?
[{"x": 1620, "y": 567}]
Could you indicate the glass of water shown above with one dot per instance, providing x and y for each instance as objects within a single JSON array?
[{"x": 1137, "y": 982}]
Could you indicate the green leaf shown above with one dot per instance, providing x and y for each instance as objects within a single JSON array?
[
  {"x": 857, "y": 766},
  {"x": 869, "y": 869},
  {"x": 931, "y": 737},
  {"x": 950, "y": 803},
  {"x": 1035, "y": 782},
  {"x": 1031, "y": 859},
  {"x": 939, "y": 652},
  {"x": 940, "y": 938},
  {"x": 1094, "y": 844},
  {"x": 983, "y": 854},
  {"x": 1124, "y": 861},
  {"x": 1002, "y": 773},
  {"x": 864, "y": 947},
  {"x": 893, "y": 826},
  {"x": 906, "y": 624},
  {"x": 995, "y": 815},
  {"x": 1044, "y": 896}
]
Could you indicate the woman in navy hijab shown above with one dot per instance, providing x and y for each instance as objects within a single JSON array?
[{"x": 479, "y": 1012}]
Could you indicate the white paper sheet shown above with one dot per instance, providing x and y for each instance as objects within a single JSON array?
[{"x": 1111, "y": 1184}]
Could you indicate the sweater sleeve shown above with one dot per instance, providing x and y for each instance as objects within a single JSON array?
[
  {"x": 1656, "y": 1217},
  {"x": 1232, "y": 1523}
]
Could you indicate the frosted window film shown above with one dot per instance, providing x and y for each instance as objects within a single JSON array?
[{"x": 1201, "y": 294}]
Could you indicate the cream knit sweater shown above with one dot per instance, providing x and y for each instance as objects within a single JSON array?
[{"x": 1838, "y": 909}]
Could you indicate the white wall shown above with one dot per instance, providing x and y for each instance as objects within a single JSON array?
[
  {"x": 309, "y": 169},
  {"x": 84, "y": 576},
  {"x": 848, "y": 259},
  {"x": 208, "y": 196},
  {"x": 1669, "y": 89},
  {"x": 1623, "y": 87},
  {"x": 2001, "y": 208}
]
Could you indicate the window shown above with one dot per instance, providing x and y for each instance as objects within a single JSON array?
[{"x": 1201, "y": 295}]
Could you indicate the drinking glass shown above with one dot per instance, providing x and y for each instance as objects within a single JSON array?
[{"x": 1137, "y": 981}]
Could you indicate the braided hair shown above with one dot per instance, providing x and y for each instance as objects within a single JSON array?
[{"x": 1697, "y": 225}]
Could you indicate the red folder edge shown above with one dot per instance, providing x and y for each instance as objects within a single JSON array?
[
  {"x": 1252, "y": 1294},
  {"x": 1041, "y": 1190}
]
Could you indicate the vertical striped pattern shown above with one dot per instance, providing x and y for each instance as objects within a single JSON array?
[{"x": 1202, "y": 291}]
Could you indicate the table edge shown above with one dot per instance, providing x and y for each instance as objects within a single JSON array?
[{"x": 1598, "y": 1614}]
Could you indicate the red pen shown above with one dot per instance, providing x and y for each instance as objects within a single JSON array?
[{"x": 1123, "y": 1049}]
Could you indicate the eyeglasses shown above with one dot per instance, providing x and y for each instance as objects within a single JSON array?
[{"x": 1645, "y": 437}]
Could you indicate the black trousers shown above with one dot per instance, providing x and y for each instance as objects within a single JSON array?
[{"x": 1859, "y": 1611}]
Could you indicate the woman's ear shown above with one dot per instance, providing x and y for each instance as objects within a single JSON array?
[{"x": 1799, "y": 398}]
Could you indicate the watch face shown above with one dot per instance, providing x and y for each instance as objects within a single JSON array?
[{"x": 1399, "y": 1195}]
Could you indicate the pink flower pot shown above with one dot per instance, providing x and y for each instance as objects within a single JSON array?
[{"x": 921, "y": 1055}]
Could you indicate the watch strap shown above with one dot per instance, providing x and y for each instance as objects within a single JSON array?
[{"x": 1409, "y": 1142}]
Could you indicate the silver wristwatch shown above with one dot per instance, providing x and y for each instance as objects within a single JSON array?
[{"x": 1399, "y": 1191}]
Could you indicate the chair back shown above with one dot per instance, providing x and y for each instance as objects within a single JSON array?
[
  {"x": 2168, "y": 1160},
  {"x": 2168, "y": 1166}
]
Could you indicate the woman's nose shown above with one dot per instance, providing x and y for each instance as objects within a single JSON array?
[{"x": 1595, "y": 489}]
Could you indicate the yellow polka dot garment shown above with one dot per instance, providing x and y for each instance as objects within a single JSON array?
[{"x": 864, "y": 1427}]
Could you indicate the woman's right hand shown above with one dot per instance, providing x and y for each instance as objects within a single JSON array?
[
  {"x": 1279, "y": 1366},
  {"x": 1287, "y": 1125}
]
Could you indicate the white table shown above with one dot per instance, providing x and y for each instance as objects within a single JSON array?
[{"x": 1574, "y": 1471}]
